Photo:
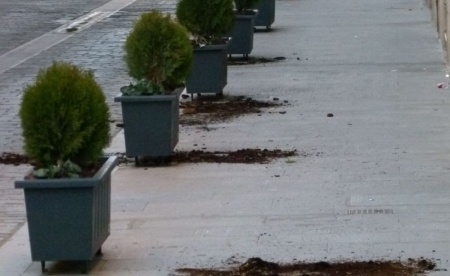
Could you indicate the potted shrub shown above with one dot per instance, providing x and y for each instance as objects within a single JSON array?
[
  {"x": 209, "y": 22},
  {"x": 65, "y": 125},
  {"x": 266, "y": 13},
  {"x": 242, "y": 32},
  {"x": 158, "y": 54}
]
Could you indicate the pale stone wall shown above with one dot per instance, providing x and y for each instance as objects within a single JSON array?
[{"x": 440, "y": 13}]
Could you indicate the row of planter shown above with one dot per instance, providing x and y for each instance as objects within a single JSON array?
[
  {"x": 151, "y": 123},
  {"x": 245, "y": 22},
  {"x": 209, "y": 72},
  {"x": 64, "y": 117}
]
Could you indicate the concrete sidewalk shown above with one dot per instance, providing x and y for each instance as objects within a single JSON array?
[{"x": 371, "y": 182}]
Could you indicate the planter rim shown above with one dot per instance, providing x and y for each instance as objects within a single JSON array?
[
  {"x": 241, "y": 16},
  {"x": 214, "y": 46},
  {"x": 150, "y": 98},
  {"x": 106, "y": 168}
]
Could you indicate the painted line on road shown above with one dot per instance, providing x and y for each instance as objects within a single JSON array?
[
  {"x": 74, "y": 26},
  {"x": 38, "y": 45}
]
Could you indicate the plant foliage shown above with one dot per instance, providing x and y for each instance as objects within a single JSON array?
[
  {"x": 142, "y": 87},
  {"x": 66, "y": 169},
  {"x": 208, "y": 21},
  {"x": 158, "y": 50},
  {"x": 242, "y": 5},
  {"x": 64, "y": 116}
]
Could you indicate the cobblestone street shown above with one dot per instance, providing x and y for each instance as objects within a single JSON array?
[{"x": 98, "y": 47}]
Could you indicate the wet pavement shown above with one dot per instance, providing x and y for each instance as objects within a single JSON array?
[
  {"x": 98, "y": 47},
  {"x": 372, "y": 183}
]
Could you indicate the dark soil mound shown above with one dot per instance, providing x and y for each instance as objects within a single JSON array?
[
  {"x": 200, "y": 112},
  {"x": 259, "y": 267},
  {"x": 9, "y": 158},
  {"x": 239, "y": 60},
  {"x": 245, "y": 156}
]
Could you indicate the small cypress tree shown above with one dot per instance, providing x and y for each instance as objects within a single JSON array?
[
  {"x": 64, "y": 116},
  {"x": 207, "y": 20},
  {"x": 159, "y": 51}
]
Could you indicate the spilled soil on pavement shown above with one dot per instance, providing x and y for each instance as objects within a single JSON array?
[
  {"x": 259, "y": 267},
  {"x": 240, "y": 60},
  {"x": 213, "y": 109},
  {"x": 242, "y": 156}
]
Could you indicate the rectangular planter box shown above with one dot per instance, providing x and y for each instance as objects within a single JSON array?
[
  {"x": 68, "y": 219},
  {"x": 242, "y": 35},
  {"x": 266, "y": 13},
  {"x": 209, "y": 70},
  {"x": 151, "y": 124}
]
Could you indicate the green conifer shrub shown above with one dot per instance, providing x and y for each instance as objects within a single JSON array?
[
  {"x": 208, "y": 21},
  {"x": 64, "y": 117},
  {"x": 157, "y": 50}
]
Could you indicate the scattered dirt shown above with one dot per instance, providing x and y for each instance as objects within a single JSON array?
[
  {"x": 10, "y": 158},
  {"x": 240, "y": 60},
  {"x": 201, "y": 112},
  {"x": 16, "y": 159},
  {"x": 245, "y": 156},
  {"x": 259, "y": 267},
  {"x": 248, "y": 156}
]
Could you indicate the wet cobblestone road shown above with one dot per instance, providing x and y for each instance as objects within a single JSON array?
[{"x": 98, "y": 47}]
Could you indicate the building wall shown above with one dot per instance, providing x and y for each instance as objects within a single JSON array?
[{"x": 440, "y": 13}]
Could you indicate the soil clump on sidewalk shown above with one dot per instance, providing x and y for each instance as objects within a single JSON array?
[
  {"x": 235, "y": 60},
  {"x": 242, "y": 156},
  {"x": 259, "y": 267},
  {"x": 207, "y": 110}
]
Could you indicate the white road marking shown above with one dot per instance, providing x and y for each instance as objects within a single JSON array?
[{"x": 38, "y": 45}]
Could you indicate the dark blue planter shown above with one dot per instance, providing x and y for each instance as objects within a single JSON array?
[
  {"x": 209, "y": 70},
  {"x": 150, "y": 124},
  {"x": 68, "y": 219},
  {"x": 242, "y": 35},
  {"x": 266, "y": 14}
]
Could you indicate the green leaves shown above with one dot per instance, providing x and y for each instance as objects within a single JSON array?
[
  {"x": 67, "y": 169},
  {"x": 207, "y": 20},
  {"x": 141, "y": 88}
]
